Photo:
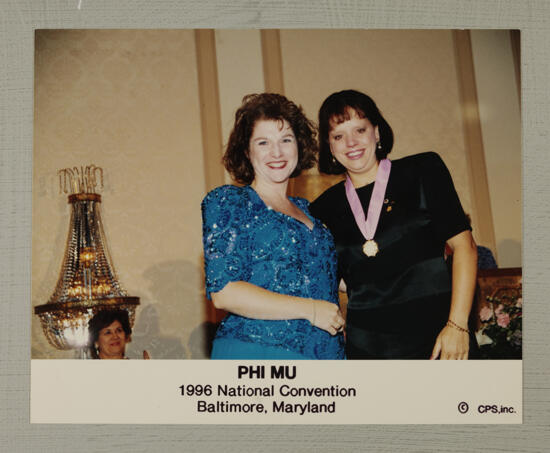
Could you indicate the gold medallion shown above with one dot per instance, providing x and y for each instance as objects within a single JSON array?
[{"x": 370, "y": 248}]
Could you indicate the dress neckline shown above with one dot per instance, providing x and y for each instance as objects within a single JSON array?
[{"x": 293, "y": 201}]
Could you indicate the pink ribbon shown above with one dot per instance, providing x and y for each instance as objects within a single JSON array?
[{"x": 368, "y": 226}]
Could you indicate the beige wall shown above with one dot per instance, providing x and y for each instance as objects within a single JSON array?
[
  {"x": 500, "y": 116},
  {"x": 235, "y": 50},
  {"x": 128, "y": 101},
  {"x": 410, "y": 74}
]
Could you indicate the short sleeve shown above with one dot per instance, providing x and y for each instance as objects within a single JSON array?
[
  {"x": 315, "y": 209},
  {"x": 327, "y": 207},
  {"x": 225, "y": 260},
  {"x": 323, "y": 209},
  {"x": 441, "y": 197}
]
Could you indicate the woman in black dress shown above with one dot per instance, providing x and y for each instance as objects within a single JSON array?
[{"x": 390, "y": 222}]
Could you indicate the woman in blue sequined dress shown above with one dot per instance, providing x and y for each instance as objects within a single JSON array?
[{"x": 268, "y": 262}]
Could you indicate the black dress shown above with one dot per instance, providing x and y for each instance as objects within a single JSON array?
[{"x": 399, "y": 300}]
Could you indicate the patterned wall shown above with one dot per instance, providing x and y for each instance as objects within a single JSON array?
[
  {"x": 127, "y": 101},
  {"x": 410, "y": 74}
]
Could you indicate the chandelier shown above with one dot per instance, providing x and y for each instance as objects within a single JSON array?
[{"x": 87, "y": 282}]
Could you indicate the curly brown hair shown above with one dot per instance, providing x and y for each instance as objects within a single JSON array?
[{"x": 267, "y": 106}]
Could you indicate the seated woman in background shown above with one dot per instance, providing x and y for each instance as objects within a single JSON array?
[
  {"x": 109, "y": 332},
  {"x": 268, "y": 262},
  {"x": 390, "y": 222}
]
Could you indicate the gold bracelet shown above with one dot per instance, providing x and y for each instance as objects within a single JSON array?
[{"x": 456, "y": 326}]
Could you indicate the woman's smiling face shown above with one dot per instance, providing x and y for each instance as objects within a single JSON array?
[
  {"x": 353, "y": 144},
  {"x": 273, "y": 151},
  {"x": 111, "y": 341}
]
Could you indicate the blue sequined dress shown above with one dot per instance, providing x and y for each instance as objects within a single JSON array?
[{"x": 245, "y": 240}]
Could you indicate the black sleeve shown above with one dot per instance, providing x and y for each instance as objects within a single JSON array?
[
  {"x": 326, "y": 207},
  {"x": 323, "y": 209},
  {"x": 441, "y": 197},
  {"x": 315, "y": 208},
  {"x": 320, "y": 208}
]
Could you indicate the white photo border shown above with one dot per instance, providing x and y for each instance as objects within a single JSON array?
[{"x": 22, "y": 18}]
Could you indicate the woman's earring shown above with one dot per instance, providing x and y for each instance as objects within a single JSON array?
[
  {"x": 379, "y": 145},
  {"x": 333, "y": 160}
]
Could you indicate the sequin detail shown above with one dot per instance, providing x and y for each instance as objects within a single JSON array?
[{"x": 244, "y": 240}]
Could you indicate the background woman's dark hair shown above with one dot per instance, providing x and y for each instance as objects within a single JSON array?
[
  {"x": 337, "y": 107},
  {"x": 267, "y": 106},
  {"x": 103, "y": 319}
]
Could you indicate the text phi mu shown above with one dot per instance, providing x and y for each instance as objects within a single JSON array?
[{"x": 258, "y": 372}]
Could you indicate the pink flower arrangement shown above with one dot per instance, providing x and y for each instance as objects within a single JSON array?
[
  {"x": 485, "y": 313},
  {"x": 500, "y": 335},
  {"x": 503, "y": 318}
]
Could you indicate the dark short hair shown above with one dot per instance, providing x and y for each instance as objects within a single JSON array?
[
  {"x": 267, "y": 106},
  {"x": 337, "y": 107},
  {"x": 103, "y": 319}
]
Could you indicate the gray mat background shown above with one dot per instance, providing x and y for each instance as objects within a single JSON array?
[{"x": 19, "y": 18}]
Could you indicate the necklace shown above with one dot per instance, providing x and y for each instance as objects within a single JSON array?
[{"x": 368, "y": 226}]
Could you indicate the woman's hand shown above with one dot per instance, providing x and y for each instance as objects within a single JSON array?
[
  {"x": 247, "y": 299},
  {"x": 327, "y": 316},
  {"x": 451, "y": 344},
  {"x": 146, "y": 355}
]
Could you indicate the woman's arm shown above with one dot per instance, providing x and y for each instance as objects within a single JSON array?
[
  {"x": 453, "y": 343},
  {"x": 252, "y": 301},
  {"x": 227, "y": 267}
]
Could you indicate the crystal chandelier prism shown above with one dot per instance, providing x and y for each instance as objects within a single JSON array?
[{"x": 87, "y": 282}]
